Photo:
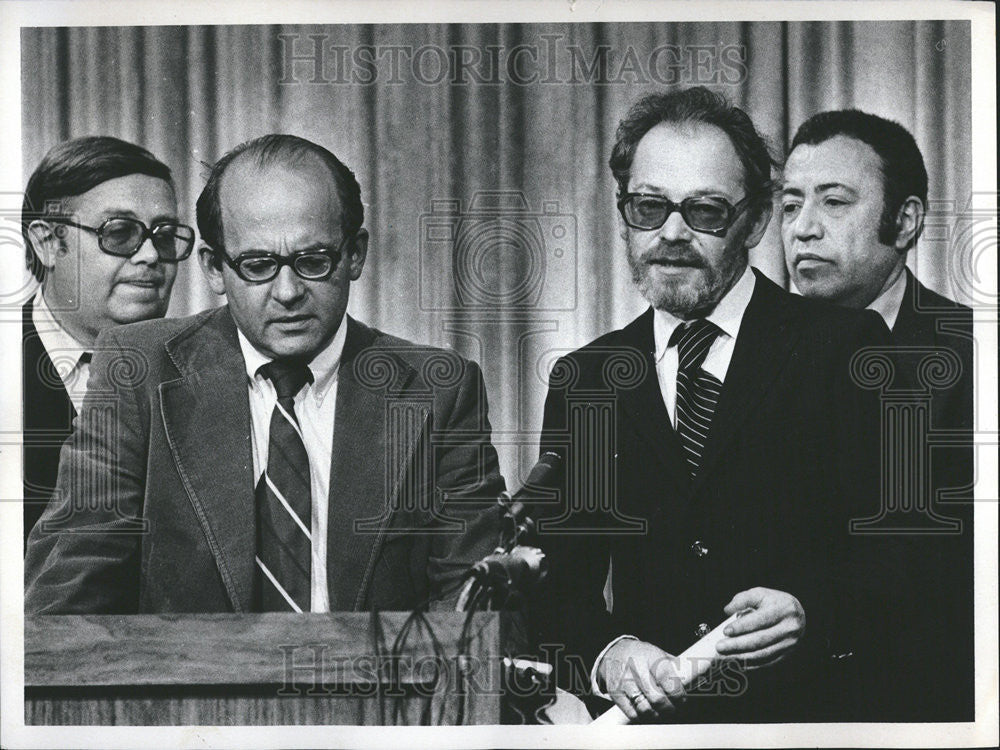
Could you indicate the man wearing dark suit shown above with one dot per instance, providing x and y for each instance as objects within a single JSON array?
[
  {"x": 853, "y": 204},
  {"x": 273, "y": 454},
  {"x": 716, "y": 449},
  {"x": 84, "y": 220}
]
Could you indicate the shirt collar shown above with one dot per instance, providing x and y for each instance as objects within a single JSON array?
[
  {"x": 324, "y": 366},
  {"x": 53, "y": 336},
  {"x": 727, "y": 315},
  {"x": 887, "y": 304}
]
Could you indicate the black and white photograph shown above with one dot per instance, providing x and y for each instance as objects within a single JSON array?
[{"x": 556, "y": 374}]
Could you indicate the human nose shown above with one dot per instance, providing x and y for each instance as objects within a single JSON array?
[
  {"x": 675, "y": 228},
  {"x": 807, "y": 225},
  {"x": 146, "y": 253},
  {"x": 287, "y": 287}
]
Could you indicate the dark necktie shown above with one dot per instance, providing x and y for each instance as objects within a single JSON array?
[
  {"x": 283, "y": 500},
  {"x": 697, "y": 391}
]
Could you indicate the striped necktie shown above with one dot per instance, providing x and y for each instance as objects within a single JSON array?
[
  {"x": 283, "y": 500},
  {"x": 697, "y": 391}
]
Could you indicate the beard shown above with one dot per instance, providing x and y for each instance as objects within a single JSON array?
[{"x": 690, "y": 285}]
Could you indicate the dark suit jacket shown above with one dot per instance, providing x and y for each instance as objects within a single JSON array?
[
  {"x": 48, "y": 420},
  {"x": 792, "y": 455},
  {"x": 156, "y": 506},
  {"x": 938, "y": 640}
]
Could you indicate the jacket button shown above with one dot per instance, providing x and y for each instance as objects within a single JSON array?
[
  {"x": 699, "y": 549},
  {"x": 702, "y": 630}
]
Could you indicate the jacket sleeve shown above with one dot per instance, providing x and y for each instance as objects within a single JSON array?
[
  {"x": 467, "y": 483},
  {"x": 850, "y": 622},
  {"x": 568, "y": 617},
  {"x": 83, "y": 555}
]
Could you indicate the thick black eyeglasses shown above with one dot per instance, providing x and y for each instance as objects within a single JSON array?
[
  {"x": 708, "y": 214},
  {"x": 122, "y": 237},
  {"x": 258, "y": 266}
]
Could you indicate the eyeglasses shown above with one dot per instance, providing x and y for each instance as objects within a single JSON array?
[
  {"x": 258, "y": 266},
  {"x": 122, "y": 237},
  {"x": 708, "y": 214}
]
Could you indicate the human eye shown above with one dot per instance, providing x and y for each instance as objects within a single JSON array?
[
  {"x": 120, "y": 230},
  {"x": 790, "y": 207},
  {"x": 257, "y": 267},
  {"x": 313, "y": 265},
  {"x": 647, "y": 205},
  {"x": 835, "y": 202},
  {"x": 708, "y": 209}
]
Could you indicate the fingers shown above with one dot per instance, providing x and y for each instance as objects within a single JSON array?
[
  {"x": 643, "y": 692},
  {"x": 665, "y": 674},
  {"x": 641, "y": 681},
  {"x": 751, "y": 598},
  {"x": 765, "y": 635},
  {"x": 769, "y": 613},
  {"x": 766, "y": 654},
  {"x": 628, "y": 705}
]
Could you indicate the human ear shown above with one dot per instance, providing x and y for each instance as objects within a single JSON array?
[
  {"x": 909, "y": 223},
  {"x": 46, "y": 241},
  {"x": 357, "y": 254},
  {"x": 211, "y": 266}
]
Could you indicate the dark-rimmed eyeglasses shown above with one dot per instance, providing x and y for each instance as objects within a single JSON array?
[
  {"x": 703, "y": 213},
  {"x": 122, "y": 237},
  {"x": 259, "y": 266}
]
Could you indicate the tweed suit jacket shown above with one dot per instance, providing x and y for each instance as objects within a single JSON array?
[{"x": 155, "y": 503}]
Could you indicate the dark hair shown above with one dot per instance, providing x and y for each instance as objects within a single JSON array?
[
  {"x": 696, "y": 104},
  {"x": 903, "y": 171},
  {"x": 271, "y": 149},
  {"x": 74, "y": 167}
]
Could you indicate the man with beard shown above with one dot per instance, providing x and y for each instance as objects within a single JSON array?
[{"x": 715, "y": 450}]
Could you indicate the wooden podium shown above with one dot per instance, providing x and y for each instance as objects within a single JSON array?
[{"x": 261, "y": 669}]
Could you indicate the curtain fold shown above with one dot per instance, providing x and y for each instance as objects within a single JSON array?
[{"x": 509, "y": 152}]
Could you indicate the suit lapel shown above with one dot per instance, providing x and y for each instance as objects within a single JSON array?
[
  {"x": 206, "y": 417},
  {"x": 362, "y": 483},
  {"x": 47, "y": 405},
  {"x": 643, "y": 405},
  {"x": 905, "y": 330},
  {"x": 763, "y": 345}
]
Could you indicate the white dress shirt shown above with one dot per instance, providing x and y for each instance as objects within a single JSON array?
[
  {"x": 728, "y": 316},
  {"x": 64, "y": 351},
  {"x": 887, "y": 304},
  {"x": 315, "y": 407}
]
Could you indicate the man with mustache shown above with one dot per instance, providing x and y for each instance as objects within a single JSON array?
[
  {"x": 101, "y": 235},
  {"x": 853, "y": 201},
  {"x": 715, "y": 449},
  {"x": 273, "y": 454}
]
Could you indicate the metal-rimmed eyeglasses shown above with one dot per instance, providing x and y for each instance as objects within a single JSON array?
[
  {"x": 703, "y": 213},
  {"x": 259, "y": 266},
  {"x": 122, "y": 237}
]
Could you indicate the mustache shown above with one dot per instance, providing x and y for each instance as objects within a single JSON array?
[{"x": 675, "y": 254}]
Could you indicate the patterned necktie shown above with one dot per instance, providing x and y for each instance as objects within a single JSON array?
[
  {"x": 697, "y": 391},
  {"x": 283, "y": 500}
]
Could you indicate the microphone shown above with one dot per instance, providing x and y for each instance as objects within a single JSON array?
[
  {"x": 543, "y": 474},
  {"x": 511, "y": 566},
  {"x": 522, "y": 566}
]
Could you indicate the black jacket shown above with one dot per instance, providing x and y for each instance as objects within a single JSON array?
[{"x": 791, "y": 458}]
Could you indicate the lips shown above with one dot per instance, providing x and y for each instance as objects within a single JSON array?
[
  {"x": 150, "y": 281},
  {"x": 810, "y": 259},
  {"x": 292, "y": 319},
  {"x": 673, "y": 262}
]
